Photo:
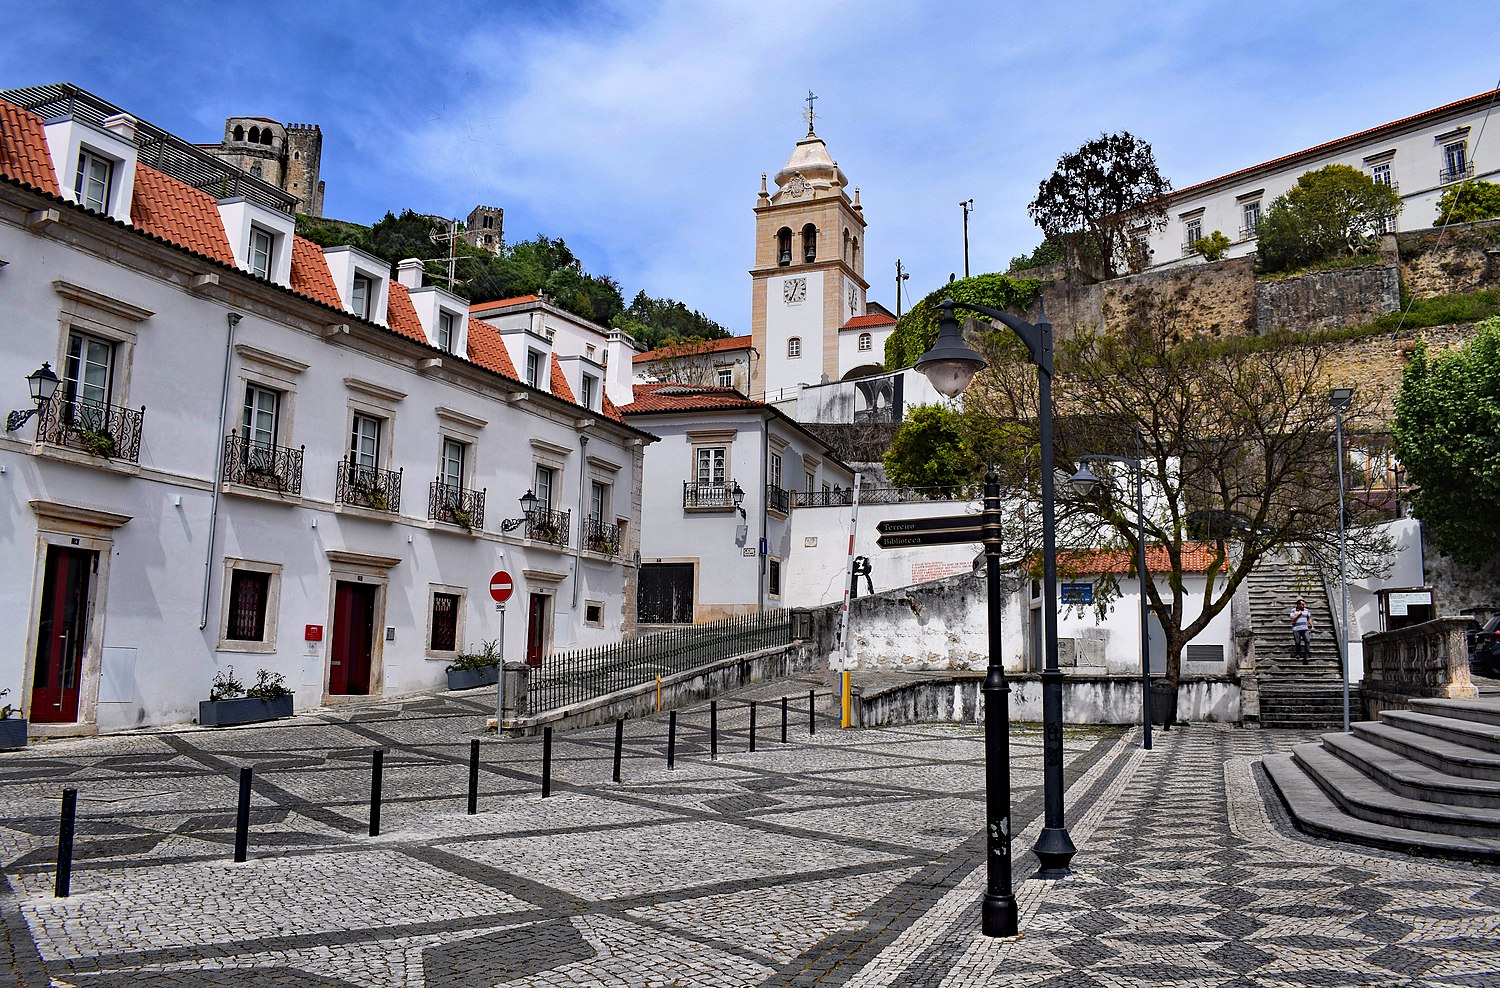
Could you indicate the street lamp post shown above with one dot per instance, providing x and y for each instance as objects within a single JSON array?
[
  {"x": 1340, "y": 399},
  {"x": 1085, "y": 482},
  {"x": 968, "y": 207},
  {"x": 950, "y": 365}
]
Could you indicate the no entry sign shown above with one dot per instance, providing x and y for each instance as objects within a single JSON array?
[{"x": 501, "y": 586}]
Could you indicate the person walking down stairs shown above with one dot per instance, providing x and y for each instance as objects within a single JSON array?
[{"x": 1302, "y": 629}]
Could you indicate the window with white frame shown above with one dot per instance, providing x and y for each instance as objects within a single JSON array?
[
  {"x": 91, "y": 185},
  {"x": 712, "y": 464},
  {"x": 261, "y": 244},
  {"x": 362, "y": 296},
  {"x": 534, "y": 368},
  {"x": 794, "y": 347},
  {"x": 261, "y": 416},
  {"x": 545, "y": 479},
  {"x": 724, "y": 377},
  {"x": 1193, "y": 230},
  {"x": 598, "y": 501},
  {"x": 866, "y": 341},
  {"x": 1381, "y": 174},
  {"x": 445, "y": 330},
  {"x": 454, "y": 456},
  {"x": 775, "y": 470},
  {"x": 590, "y": 388},
  {"x": 810, "y": 479},
  {"x": 364, "y": 445},
  {"x": 1455, "y": 161},
  {"x": 1251, "y": 212},
  {"x": 88, "y": 374}
]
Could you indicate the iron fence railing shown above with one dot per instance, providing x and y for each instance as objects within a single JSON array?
[
  {"x": 778, "y": 498},
  {"x": 573, "y": 677},
  {"x": 552, "y": 527},
  {"x": 456, "y": 506},
  {"x": 601, "y": 536},
  {"x": 263, "y": 465},
  {"x": 1250, "y": 232},
  {"x": 698, "y": 495},
  {"x": 111, "y": 431},
  {"x": 368, "y": 487},
  {"x": 842, "y": 497},
  {"x": 1449, "y": 175}
]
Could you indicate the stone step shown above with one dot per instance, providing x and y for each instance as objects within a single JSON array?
[
  {"x": 1316, "y": 813},
  {"x": 1448, "y": 756},
  {"x": 1407, "y": 777},
  {"x": 1484, "y": 737},
  {"x": 1479, "y": 710},
  {"x": 1360, "y": 796}
]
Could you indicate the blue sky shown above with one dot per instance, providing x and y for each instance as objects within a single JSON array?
[{"x": 637, "y": 131}]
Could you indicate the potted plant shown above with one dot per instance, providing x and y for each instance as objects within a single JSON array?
[
  {"x": 474, "y": 669},
  {"x": 12, "y": 727},
  {"x": 96, "y": 442},
  {"x": 368, "y": 491},
  {"x": 229, "y": 702}
]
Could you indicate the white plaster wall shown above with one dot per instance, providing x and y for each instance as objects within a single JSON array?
[
  {"x": 834, "y": 403},
  {"x": 783, "y": 321},
  {"x": 1406, "y": 570},
  {"x": 1112, "y": 644}
]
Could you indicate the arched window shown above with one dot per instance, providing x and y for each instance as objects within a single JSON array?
[
  {"x": 254, "y": 135},
  {"x": 489, "y": 222},
  {"x": 809, "y": 243},
  {"x": 794, "y": 347},
  {"x": 865, "y": 341},
  {"x": 239, "y": 132},
  {"x": 265, "y": 137},
  {"x": 255, "y": 171},
  {"x": 784, "y": 246},
  {"x": 846, "y": 243},
  {"x": 296, "y": 155}
]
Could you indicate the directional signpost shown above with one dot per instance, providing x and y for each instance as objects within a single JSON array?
[{"x": 946, "y": 530}]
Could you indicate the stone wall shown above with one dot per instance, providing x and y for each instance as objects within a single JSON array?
[
  {"x": 957, "y": 698},
  {"x": 1324, "y": 300},
  {"x": 1374, "y": 364},
  {"x": 1215, "y": 298},
  {"x": 1443, "y": 262},
  {"x": 1425, "y": 660}
]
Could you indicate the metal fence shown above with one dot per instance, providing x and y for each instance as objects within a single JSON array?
[
  {"x": 110, "y": 431},
  {"x": 574, "y": 677},
  {"x": 263, "y": 465},
  {"x": 368, "y": 487},
  {"x": 841, "y": 497}
]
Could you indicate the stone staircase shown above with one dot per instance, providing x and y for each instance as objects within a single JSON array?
[
  {"x": 1422, "y": 781},
  {"x": 1294, "y": 692}
]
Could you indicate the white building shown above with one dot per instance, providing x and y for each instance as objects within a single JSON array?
[
  {"x": 564, "y": 354},
  {"x": 723, "y": 363},
  {"x": 220, "y": 478},
  {"x": 719, "y": 491},
  {"x": 1421, "y": 156}
]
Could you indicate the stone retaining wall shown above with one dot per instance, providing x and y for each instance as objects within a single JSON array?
[
  {"x": 1425, "y": 660},
  {"x": 1086, "y": 700},
  {"x": 1324, "y": 300}
]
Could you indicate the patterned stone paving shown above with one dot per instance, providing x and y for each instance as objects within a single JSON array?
[{"x": 848, "y": 858}]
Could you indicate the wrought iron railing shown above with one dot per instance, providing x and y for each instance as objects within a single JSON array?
[
  {"x": 456, "y": 506},
  {"x": 552, "y": 527},
  {"x": 111, "y": 431},
  {"x": 600, "y": 536},
  {"x": 697, "y": 495},
  {"x": 1250, "y": 232},
  {"x": 1448, "y": 175},
  {"x": 263, "y": 465},
  {"x": 1188, "y": 249},
  {"x": 574, "y": 677},
  {"x": 367, "y": 487},
  {"x": 841, "y": 497},
  {"x": 778, "y": 499}
]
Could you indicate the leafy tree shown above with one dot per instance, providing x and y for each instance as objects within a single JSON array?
[
  {"x": 1097, "y": 199},
  {"x": 1213, "y": 247},
  {"x": 918, "y": 328},
  {"x": 658, "y": 322},
  {"x": 1468, "y": 202},
  {"x": 1334, "y": 211},
  {"x": 1049, "y": 251},
  {"x": 1447, "y": 435},
  {"x": 930, "y": 450}
]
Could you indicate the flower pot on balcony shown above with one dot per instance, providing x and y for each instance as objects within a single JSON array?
[
  {"x": 243, "y": 710},
  {"x": 468, "y": 679},
  {"x": 12, "y": 733},
  {"x": 1163, "y": 703}
]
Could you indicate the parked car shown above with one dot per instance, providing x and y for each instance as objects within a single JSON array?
[{"x": 1485, "y": 658}]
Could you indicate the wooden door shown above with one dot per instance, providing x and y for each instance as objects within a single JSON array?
[
  {"x": 536, "y": 629},
  {"x": 353, "y": 639},
  {"x": 666, "y": 594},
  {"x": 62, "y": 635}
]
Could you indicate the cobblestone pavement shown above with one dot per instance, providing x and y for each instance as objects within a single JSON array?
[{"x": 848, "y": 858}]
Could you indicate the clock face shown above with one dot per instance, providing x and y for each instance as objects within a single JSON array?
[
  {"x": 794, "y": 290},
  {"x": 853, "y": 300}
]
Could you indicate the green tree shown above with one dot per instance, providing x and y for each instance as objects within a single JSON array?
[
  {"x": 1049, "y": 251},
  {"x": 929, "y": 450},
  {"x": 1468, "y": 202},
  {"x": 1213, "y": 247},
  {"x": 918, "y": 328},
  {"x": 1447, "y": 435},
  {"x": 1334, "y": 211},
  {"x": 1098, "y": 199},
  {"x": 659, "y": 321}
]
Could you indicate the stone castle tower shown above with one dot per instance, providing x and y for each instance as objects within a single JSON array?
[
  {"x": 808, "y": 279},
  {"x": 287, "y": 156}
]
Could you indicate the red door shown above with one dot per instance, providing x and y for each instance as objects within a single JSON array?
[
  {"x": 353, "y": 636},
  {"x": 536, "y": 629},
  {"x": 61, "y": 635}
]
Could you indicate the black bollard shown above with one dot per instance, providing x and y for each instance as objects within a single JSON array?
[
  {"x": 812, "y": 713},
  {"x": 546, "y": 761},
  {"x": 473, "y": 776},
  {"x": 752, "y": 725},
  {"x": 713, "y": 730},
  {"x": 783, "y": 720},
  {"x": 242, "y": 817},
  {"x": 672, "y": 739},
  {"x": 375, "y": 793},
  {"x": 619, "y": 745},
  {"x": 65, "y": 843}
]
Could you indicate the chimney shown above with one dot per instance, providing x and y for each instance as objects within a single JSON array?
[
  {"x": 122, "y": 125},
  {"x": 409, "y": 272}
]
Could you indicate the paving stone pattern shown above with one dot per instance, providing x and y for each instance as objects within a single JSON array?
[{"x": 849, "y": 858}]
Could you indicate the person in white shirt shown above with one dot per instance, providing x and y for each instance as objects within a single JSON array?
[{"x": 1302, "y": 626}]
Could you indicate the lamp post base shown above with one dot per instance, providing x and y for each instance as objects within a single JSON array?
[
  {"x": 998, "y": 916},
  {"x": 1054, "y": 850}
]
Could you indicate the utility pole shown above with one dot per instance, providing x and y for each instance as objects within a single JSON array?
[
  {"x": 968, "y": 207},
  {"x": 900, "y": 277}
]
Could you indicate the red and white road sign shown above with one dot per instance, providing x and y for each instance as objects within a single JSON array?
[{"x": 501, "y": 586}]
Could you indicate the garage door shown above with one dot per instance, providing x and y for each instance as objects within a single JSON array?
[{"x": 666, "y": 594}]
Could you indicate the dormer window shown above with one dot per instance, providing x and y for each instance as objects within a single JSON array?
[
  {"x": 809, "y": 243},
  {"x": 590, "y": 388},
  {"x": 261, "y": 243},
  {"x": 359, "y": 299},
  {"x": 534, "y": 368},
  {"x": 784, "y": 246},
  {"x": 95, "y": 174},
  {"x": 445, "y": 331}
]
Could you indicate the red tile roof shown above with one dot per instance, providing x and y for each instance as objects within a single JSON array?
[
  {"x": 487, "y": 349},
  {"x": 310, "y": 273},
  {"x": 867, "y": 321},
  {"x": 502, "y": 303},
  {"x": 560, "y": 382},
  {"x": 1196, "y": 558},
  {"x": 662, "y": 398},
  {"x": 176, "y": 212},
  {"x": 611, "y": 410},
  {"x": 401, "y": 315},
  {"x": 692, "y": 349},
  {"x": 23, "y": 149}
]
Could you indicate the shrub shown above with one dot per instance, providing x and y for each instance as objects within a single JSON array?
[
  {"x": 1213, "y": 247},
  {"x": 1332, "y": 211},
  {"x": 1468, "y": 202},
  {"x": 488, "y": 655}
]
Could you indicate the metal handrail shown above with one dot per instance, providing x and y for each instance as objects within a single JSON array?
[
  {"x": 368, "y": 487},
  {"x": 456, "y": 506},
  {"x": 778, "y": 499},
  {"x": 698, "y": 495},
  {"x": 552, "y": 527},
  {"x": 262, "y": 465},
  {"x": 601, "y": 536},
  {"x": 110, "y": 431}
]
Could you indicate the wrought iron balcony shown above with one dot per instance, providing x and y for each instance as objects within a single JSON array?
[
  {"x": 696, "y": 495},
  {"x": 367, "y": 487},
  {"x": 263, "y": 465},
  {"x": 549, "y": 526},
  {"x": 601, "y": 536},
  {"x": 110, "y": 431},
  {"x": 1249, "y": 232},
  {"x": 1188, "y": 249},
  {"x": 778, "y": 499},
  {"x": 456, "y": 506},
  {"x": 1450, "y": 175}
]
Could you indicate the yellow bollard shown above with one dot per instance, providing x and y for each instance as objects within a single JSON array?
[
  {"x": 847, "y": 719},
  {"x": 658, "y": 694}
]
